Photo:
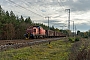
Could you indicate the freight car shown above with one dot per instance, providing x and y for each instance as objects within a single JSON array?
[
  {"x": 49, "y": 33},
  {"x": 59, "y": 34},
  {"x": 39, "y": 32}
]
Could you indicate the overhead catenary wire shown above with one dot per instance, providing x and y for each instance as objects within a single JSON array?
[
  {"x": 60, "y": 5},
  {"x": 27, "y": 3},
  {"x": 25, "y": 8}
]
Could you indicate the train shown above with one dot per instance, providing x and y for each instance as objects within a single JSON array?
[{"x": 39, "y": 32}]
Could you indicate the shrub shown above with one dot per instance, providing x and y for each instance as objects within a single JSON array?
[
  {"x": 85, "y": 36},
  {"x": 77, "y": 39},
  {"x": 71, "y": 39}
]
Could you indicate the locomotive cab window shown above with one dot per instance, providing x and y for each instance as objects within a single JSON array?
[{"x": 34, "y": 30}]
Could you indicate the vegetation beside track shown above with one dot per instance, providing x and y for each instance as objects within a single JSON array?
[
  {"x": 80, "y": 50},
  {"x": 56, "y": 50}
]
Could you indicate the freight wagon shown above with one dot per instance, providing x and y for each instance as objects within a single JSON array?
[{"x": 49, "y": 33}]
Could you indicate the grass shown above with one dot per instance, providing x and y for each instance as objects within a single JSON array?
[{"x": 56, "y": 50}]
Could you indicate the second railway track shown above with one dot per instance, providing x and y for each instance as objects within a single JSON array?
[{"x": 7, "y": 44}]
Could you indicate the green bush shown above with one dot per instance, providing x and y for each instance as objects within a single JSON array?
[
  {"x": 77, "y": 39},
  {"x": 71, "y": 39},
  {"x": 85, "y": 36}
]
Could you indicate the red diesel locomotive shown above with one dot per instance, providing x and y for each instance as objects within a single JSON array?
[{"x": 39, "y": 32}]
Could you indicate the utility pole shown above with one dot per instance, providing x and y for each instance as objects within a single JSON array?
[
  {"x": 68, "y": 18},
  {"x": 73, "y": 28},
  {"x": 48, "y": 21}
]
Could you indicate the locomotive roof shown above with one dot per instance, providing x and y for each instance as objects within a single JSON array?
[{"x": 36, "y": 26}]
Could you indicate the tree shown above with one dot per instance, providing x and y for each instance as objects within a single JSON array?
[
  {"x": 78, "y": 32},
  {"x": 52, "y": 28},
  {"x": 12, "y": 18},
  {"x": 57, "y": 29},
  {"x": 7, "y": 17},
  {"x": 0, "y": 10},
  {"x": 2, "y": 20},
  {"x": 21, "y": 19},
  {"x": 8, "y": 31},
  {"x": 89, "y": 33},
  {"x": 28, "y": 20},
  {"x": 2, "y": 14}
]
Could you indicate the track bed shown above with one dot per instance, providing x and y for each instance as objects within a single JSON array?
[{"x": 6, "y": 44}]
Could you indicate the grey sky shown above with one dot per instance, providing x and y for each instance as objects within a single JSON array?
[{"x": 55, "y": 9}]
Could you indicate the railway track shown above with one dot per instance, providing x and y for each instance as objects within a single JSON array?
[{"x": 7, "y": 44}]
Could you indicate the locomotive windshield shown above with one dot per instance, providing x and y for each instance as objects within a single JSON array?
[{"x": 34, "y": 30}]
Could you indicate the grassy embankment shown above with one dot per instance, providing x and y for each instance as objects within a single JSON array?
[
  {"x": 57, "y": 50},
  {"x": 80, "y": 50}
]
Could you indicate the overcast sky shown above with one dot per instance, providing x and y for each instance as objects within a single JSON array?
[{"x": 55, "y": 9}]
